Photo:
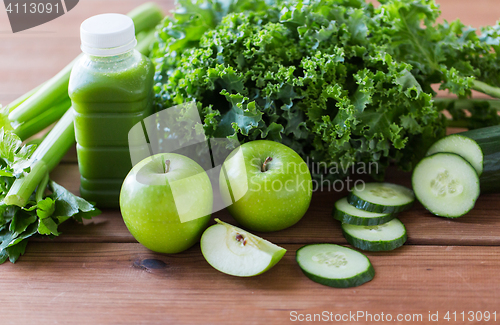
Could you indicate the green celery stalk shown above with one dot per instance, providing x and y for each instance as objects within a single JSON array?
[
  {"x": 48, "y": 154},
  {"x": 145, "y": 17},
  {"x": 39, "y": 123},
  {"x": 22, "y": 99},
  {"x": 144, "y": 44},
  {"x": 41, "y": 188},
  {"x": 485, "y": 88},
  {"x": 58, "y": 141},
  {"x": 467, "y": 103},
  {"x": 20, "y": 192},
  {"x": 50, "y": 93}
]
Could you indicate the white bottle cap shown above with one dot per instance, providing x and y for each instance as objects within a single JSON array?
[{"x": 108, "y": 35}]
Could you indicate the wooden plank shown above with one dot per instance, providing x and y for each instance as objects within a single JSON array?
[
  {"x": 100, "y": 276},
  {"x": 471, "y": 13},
  {"x": 125, "y": 283},
  {"x": 479, "y": 227}
]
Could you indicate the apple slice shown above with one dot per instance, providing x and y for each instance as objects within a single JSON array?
[{"x": 234, "y": 251}]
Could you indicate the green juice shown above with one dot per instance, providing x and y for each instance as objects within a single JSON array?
[{"x": 109, "y": 95}]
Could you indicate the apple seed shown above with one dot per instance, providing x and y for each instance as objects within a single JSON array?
[{"x": 241, "y": 239}]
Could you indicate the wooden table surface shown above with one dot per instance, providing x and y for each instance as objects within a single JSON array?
[{"x": 97, "y": 273}]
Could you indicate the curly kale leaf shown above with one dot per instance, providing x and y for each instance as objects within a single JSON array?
[
  {"x": 339, "y": 81},
  {"x": 455, "y": 56}
]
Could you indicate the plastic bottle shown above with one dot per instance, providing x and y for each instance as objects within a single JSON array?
[{"x": 111, "y": 89}]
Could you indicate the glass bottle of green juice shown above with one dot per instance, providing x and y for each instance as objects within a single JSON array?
[{"x": 111, "y": 90}]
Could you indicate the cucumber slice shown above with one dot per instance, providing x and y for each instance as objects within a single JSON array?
[
  {"x": 446, "y": 184},
  {"x": 384, "y": 237},
  {"x": 334, "y": 265},
  {"x": 462, "y": 146},
  {"x": 382, "y": 198},
  {"x": 481, "y": 148},
  {"x": 346, "y": 213}
]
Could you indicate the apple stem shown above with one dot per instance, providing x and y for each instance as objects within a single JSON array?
[
  {"x": 264, "y": 165},
  {"x": 166, "y": 166}
]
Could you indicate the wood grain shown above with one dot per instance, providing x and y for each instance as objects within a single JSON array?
[
  {"x": 127, "y": 284},
  {"x": 98, "y": 274}
]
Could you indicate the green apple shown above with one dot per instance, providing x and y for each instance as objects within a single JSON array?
[
  {"x": 166, "y": 202},
  {"x": 234, "y": 251},
  {"x": 265, "y": 185}
]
